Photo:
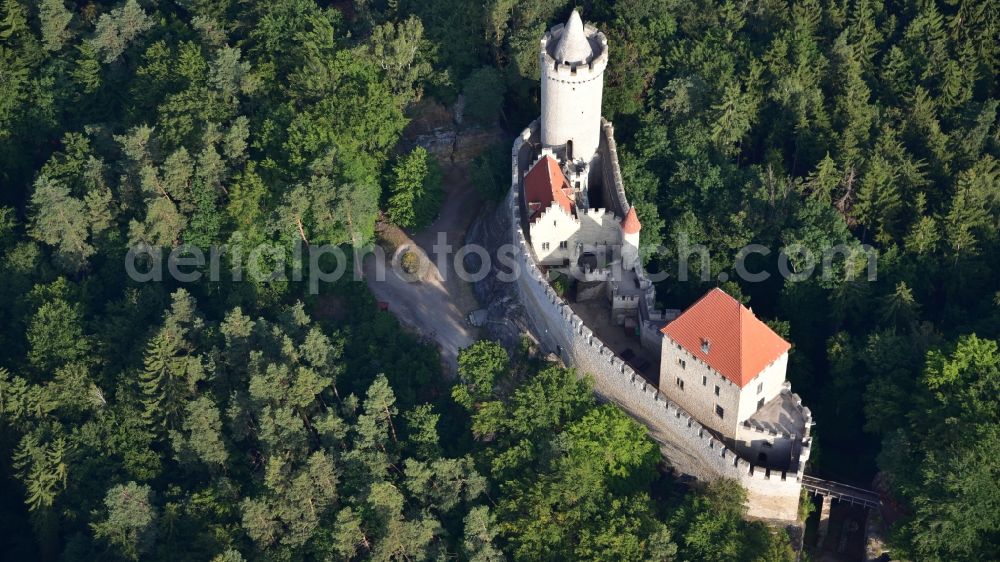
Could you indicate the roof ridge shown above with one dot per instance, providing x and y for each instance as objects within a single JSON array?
[{"x": 742, "y": 311}]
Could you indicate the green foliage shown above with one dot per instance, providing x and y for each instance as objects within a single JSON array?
[
  {"x": 481, "y": 365},
  {"x": 714, "y": 528},
  {"x": 484, "y": 91},
  {"x": 480, "y": 534},
  {"x": 54, "y": 18},
  {"x": 490, "y": 172},
  {"x": 130, "y": 520},
  {"x": 171, "y": 369},
  {"x": 117, "y": 29},
  {"x": 401, "y": 52},
  {"x": 238, "y": 427},
  {"x": 560, "y": 283},
  {"x": 56, "y": 335},
  {"x": 416, "y": 192},
  {"x": 202, "y": 437},
  {"x": 410, "y": 262},
  {"x": 69, "y": 223},
  {"x": 43, "y": 467},
  {"x": 560, "y": 499},
  {"x": 609, "y": 443},
  {"x": 951, "y": 436}
]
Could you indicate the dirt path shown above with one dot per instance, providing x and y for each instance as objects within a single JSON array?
[{"x": 435, "y": 305}]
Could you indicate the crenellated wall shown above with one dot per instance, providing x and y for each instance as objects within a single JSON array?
[
  {"x": 686, "y": 444},
  {"x": 612, "y": 185}
]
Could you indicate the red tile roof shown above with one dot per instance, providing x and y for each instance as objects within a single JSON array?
[
  {"x": 739, "y": 345},
  {"x": 631, "y": 225},
  {"x": 545, "y": 183}
]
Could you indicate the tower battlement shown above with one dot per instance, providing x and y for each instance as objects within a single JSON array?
[{"x": 575, "y": 72}]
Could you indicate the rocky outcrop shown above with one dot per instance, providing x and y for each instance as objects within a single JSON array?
[
  {"x": 506, "y": 321},
  {"x": 440, "y": 130}
]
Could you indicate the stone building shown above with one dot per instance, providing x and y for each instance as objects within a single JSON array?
[{"x": 727, "y": 369}]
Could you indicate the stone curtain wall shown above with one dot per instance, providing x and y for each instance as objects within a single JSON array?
[
  {"x": 612, "y": 185},
  {"x": 688, "y": 446}
]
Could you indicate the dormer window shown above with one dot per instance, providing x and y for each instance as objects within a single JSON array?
[{"x": 705, "y": 346}]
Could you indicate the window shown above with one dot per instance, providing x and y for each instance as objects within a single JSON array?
[
  {"x": 680, "y": 383},
  {"x": 720, "y": 412},
  {"x": 760, "y": 403},
  {"x": 704, "y": 380},
  {"x": 564, "y": 244},
  {"x": 716, "y": 390},
  {"x": 569, "y": 144},
  {"x": 545, "y": 245},
  {"x": 682, "y": 363},
  {"x": 705, "y": 346},
  {"x": 760, "y": 388}
]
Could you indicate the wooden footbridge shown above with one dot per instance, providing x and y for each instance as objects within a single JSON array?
[{"x": 841, "y": 492}]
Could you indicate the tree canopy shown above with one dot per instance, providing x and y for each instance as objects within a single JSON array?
[{"x": 247, "y": 418}]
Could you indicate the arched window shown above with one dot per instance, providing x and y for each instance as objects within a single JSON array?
[{"x": 569, "y": 150}]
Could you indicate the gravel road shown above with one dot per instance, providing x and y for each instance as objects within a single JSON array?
[{"x": 435, "y": 305}]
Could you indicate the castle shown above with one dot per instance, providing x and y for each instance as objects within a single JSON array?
[{"x": 718, "y": 403}]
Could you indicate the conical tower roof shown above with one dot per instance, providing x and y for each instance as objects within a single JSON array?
[
  {"x": 630, "y": 224},
  {"x": 573, "y": 46}
]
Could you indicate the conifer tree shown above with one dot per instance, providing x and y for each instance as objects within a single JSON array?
[
  {"x": 201, "y": 437},
  {"x": 480, "y": 534},
  {"x": 60, "y": 220},
  {"x": 172, "y": 369},
  {"x": 54, "y": 19},
  {"x": 118, "y": 29},
  {"x": 130, "y": 520},
  {"x": 42, "y": 464},
  {"x": 416, "y": 190}
]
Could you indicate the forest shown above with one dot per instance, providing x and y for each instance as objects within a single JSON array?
[{"x": 252, "y": 420}]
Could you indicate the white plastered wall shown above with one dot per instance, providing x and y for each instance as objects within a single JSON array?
[
  {"x": 593, "y": 227},
  {"x": 770, "y": 380}
]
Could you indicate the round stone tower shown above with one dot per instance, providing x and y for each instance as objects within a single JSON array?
[{"x": 573, "y": 58}]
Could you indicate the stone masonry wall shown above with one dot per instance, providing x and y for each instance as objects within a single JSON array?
[
  {"x": 612, "y": 186},
  {"x": 698, "y": 395},
  {"x": 688, "y": 446}
]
